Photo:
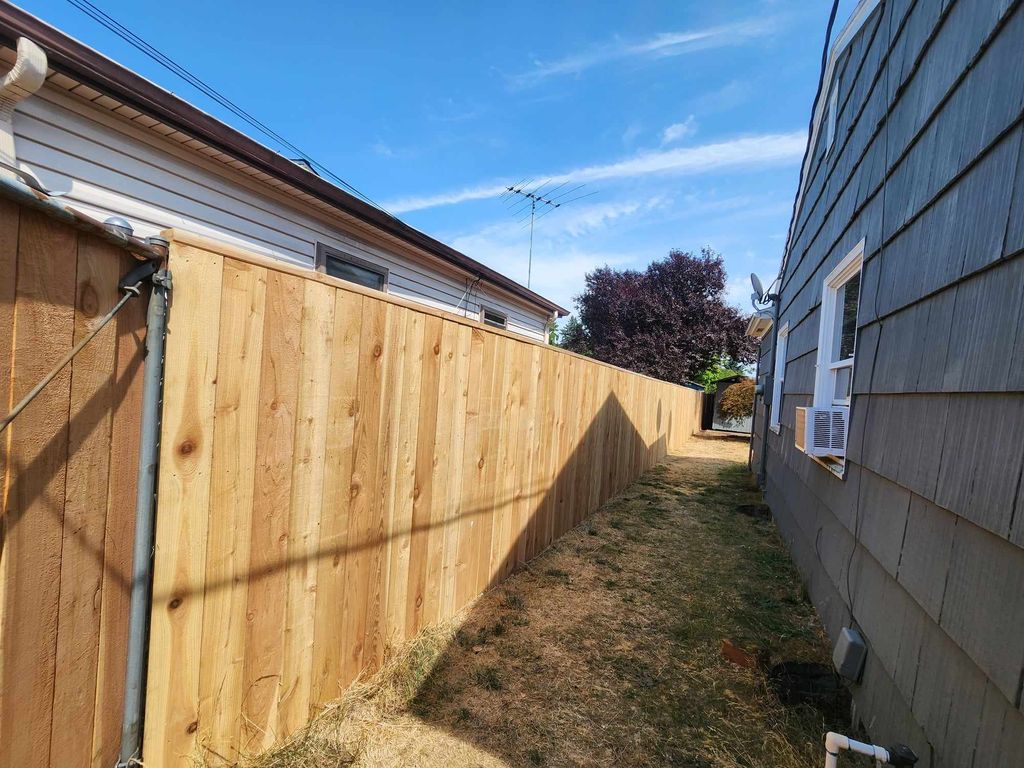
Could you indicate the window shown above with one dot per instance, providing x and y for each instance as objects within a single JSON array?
[
  {"x": 781, "y": 343},
  {"x": 492, "y": 317},
  {"x": 830, "y": 118},
  {"x": 344, "y": 266},
  {"x": 837, "y": 337}
]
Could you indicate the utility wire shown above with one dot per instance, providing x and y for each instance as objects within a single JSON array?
[{"x": 137, "y": 42}]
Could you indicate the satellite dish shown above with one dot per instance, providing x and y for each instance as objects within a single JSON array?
[
  {"x": 755, "y": 300},
  {"x": 758, "y": 288}
]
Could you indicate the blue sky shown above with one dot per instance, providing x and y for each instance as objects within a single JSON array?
[{"x": 687, "y": 119}]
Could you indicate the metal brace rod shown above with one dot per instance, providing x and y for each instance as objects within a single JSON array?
[{"x": 130, "y": 292}]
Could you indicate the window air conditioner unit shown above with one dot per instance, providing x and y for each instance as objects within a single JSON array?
[{"x": 822, "y": 431}]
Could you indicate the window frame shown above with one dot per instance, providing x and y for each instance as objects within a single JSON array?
[
  {"x": 485, "y": 310},
  {"x": 825, "y": 369},
  {"x": 831, "y": 117},
  {"x": 325, "y": 252},
  {"x": 778, "y": 378}
]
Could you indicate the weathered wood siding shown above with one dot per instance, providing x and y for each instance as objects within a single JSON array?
[
  {"x": 67, "y": 486},
  {"x": 339, "y": 470},
  {"x": 921, "y": 544}
]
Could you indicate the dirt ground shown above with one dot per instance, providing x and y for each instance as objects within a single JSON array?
[{"x": 606, "y": 649}]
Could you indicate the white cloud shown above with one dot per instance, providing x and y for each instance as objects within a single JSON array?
[
  {"x": 679, "y": 131},
  {"x": 747, "y": 152},
  {"x": 737, "y": 293},
  {"x": 659, "y": 46},
  {"x": 631, "y": 134}
]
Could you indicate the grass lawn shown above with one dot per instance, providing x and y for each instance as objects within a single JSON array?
[{"x": 606, "y": 649}]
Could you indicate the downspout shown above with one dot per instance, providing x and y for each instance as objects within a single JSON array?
[
  {"x": 145, "y": 517},
  {"x": 757, "y": 378},
  {"x": 25, "y": 78},
  {"x": 768, "y": 404}
]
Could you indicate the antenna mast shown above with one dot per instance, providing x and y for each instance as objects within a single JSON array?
[{"x": 522, "y": 198}]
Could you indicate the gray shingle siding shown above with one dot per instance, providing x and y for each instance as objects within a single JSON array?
[{"x": 924, "y": 536}]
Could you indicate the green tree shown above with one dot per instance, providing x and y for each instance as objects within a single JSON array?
[
  {"x": 721, "y": 367},
  {"x": 574, "y": 337}
]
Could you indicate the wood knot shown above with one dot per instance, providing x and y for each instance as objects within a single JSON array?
[
  {"x": 419, "y": 600},
  {"x": 415, "y": 492},
  {"x": 274, "y": 405},
  {"x": 378, "y": 350},
  {"x": 186, "y": 447},
  {"x": 88, "y": 301},
  {"x": 480, "y": 463},
  {"x": 175, "y": 603},
  {"x": 353, "y": 490},
  {"x": 437, "y": 349},
  {"x": 193, "y": 726}
]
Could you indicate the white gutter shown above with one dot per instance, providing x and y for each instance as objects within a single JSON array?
[{"x": 25, "y": 78}]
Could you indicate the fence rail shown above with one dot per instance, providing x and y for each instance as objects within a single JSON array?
[{"x": 339, "y": 469}]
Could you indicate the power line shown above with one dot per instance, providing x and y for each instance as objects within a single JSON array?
[{"x": 137, "y": 42}]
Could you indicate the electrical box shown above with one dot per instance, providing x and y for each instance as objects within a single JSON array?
[{"x": 849, "y": 654}]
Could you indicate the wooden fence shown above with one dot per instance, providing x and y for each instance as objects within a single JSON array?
[
  {"x": 339, "y": 469},
  {"x": 67, "y": 488}
]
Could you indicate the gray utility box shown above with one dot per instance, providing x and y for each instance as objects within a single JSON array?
[{"x": 849, "y": 654}]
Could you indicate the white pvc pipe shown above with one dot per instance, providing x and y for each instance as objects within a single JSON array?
[{"x": 836, "y": 742}]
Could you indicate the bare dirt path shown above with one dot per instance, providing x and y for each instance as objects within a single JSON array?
[{"x": 606, "y": 649}]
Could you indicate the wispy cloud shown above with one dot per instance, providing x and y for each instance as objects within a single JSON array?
[
  {"x": 661, "y": 45},
  {"x": 569, "y": 223},
  {"x": 750, "y": 151},
  {"x": 679, "y": 131}
]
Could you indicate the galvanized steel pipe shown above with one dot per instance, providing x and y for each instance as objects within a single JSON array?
[{"x": 145, "y": 516}]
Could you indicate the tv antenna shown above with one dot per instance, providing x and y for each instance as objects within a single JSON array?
[{"x": 524, "y": 200}]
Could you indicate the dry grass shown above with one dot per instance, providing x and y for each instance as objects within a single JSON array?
[{"x": 605, "y": 650}]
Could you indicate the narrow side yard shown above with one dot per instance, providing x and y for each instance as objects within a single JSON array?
[{"x": 606, "y": 649}]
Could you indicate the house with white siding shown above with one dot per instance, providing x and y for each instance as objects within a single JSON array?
[{"x": 118, "y": 145}]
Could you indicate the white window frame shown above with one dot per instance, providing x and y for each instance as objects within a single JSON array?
[
  {"x": 485, "y": 310},
  {"x": 779, "y": 378},
  {"x": 831, "y": 117},
  {"x": 825, "y": 369}
]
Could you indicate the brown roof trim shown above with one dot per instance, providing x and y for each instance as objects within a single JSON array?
[{"x": 70, "y": 57}]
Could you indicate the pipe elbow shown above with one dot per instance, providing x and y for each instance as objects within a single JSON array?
[
  {"x": 835, "y": 742},
  {"x": 28, "y": 73}
]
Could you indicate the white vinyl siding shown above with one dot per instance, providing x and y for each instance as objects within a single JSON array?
[{"x": 108, "y": 166}]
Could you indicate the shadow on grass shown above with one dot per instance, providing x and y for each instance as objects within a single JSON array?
[{"x": 606, "y": 648}]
